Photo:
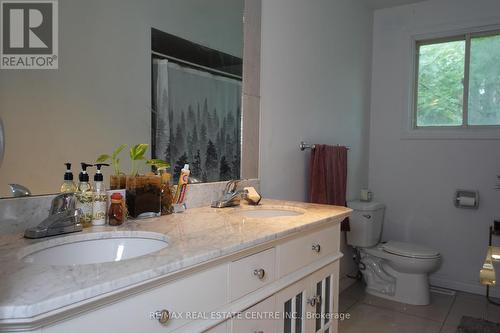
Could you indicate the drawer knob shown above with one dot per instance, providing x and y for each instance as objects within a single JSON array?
[
  {"x": 163, "y": 316},
  {"x": 315, "y": 300},
  {"x": 260, "y": 273},
  {"x": 316, "y": 248}
]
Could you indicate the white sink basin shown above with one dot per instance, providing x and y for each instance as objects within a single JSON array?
[
  {"x": 93, "y": 248},
  {"x": 260, "y": 213}
]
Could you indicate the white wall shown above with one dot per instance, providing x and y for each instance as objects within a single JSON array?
[
  {"x": 315, "y": 78},
  {"x": 100, "y": 97},
  {"x": 416, "y": 179}
]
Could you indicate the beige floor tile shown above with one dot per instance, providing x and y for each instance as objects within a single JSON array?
[
  {"x": 467, "y": 305},
  {"x": 448, "y": 329},
  {"x": 351, "y": 296},
  {"x": 366, "y": 318},
  {"x": 493, "y": 312},
  {"x": 346, "y": 302},
  {"x": 438, "y": 309},
  {"x": 357, "y": 290}
]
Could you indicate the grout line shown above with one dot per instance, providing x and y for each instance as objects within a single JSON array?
[
  {"x": 448, "y": 313},
  {"x": 407, "y": 312}
]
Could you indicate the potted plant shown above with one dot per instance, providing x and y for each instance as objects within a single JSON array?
[
  {"x": 143, "y": 191},
  {"x": 118, "y": 179}
]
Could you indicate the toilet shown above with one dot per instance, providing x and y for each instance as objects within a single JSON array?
[{"x": 393, "y": 270}]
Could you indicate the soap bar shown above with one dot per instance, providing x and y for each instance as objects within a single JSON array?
[{"x": 252, "y": 194}]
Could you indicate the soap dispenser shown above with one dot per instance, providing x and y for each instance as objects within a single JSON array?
[
  {"x": 68, "y": 185},
  {"x": 84, "y": 196},
  {"x": 100, "y": 197}
]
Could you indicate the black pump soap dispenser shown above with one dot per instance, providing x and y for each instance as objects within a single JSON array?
[
  {"x": 100, "y": 197},
  {"x": 68, "y": 185},
  {"x": 84, "y": 196}
]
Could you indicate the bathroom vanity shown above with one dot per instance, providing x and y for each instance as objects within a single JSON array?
[{"x": 242, "y": 269}]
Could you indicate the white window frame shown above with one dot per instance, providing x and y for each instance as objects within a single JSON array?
[{"x": 465, "y": 130}]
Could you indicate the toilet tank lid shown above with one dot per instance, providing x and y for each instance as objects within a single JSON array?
[{"x": 365, "y": 205}]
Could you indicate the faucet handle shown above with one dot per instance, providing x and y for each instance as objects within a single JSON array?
[
  {"x": 63, "y": 202},
  {"x": 231, "y": 186},
  {"x": 251, "y": 195}
]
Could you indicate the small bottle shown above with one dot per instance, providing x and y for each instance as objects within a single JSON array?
[
  {"x": 115, "y": 213},
  {"x": 100, "y": 198},
  {"x": 84, "y": 196},
  {"x": 68, "y": 185}
]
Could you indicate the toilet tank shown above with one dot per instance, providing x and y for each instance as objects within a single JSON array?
[{"x": 366, "y": 223}]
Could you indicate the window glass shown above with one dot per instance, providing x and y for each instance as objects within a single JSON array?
[
  {"x": 484, "y": 81},
  {"x": 440, "y": 84}
]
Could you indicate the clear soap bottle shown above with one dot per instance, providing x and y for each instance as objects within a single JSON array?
[
  {"x": 100, "y": 198},
  {"x": 84, "y": 196},
  {"x": 68, "y": 185}
]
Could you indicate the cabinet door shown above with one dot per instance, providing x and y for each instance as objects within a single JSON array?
[
  {"x": 323, "y": 302},
  {"x": 290, "y": 304},
  {"x": 258, "y": 318}
]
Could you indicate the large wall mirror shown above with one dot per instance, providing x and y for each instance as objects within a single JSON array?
[{"x": 179, "y": 75}]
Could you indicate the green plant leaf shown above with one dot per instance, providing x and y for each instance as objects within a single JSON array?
[
  {"x": 137, "y": 152},
  {"x": 102, "y": 158},
  {"x": 118, "y": 151},
  {"x": 159, "y": 164}
]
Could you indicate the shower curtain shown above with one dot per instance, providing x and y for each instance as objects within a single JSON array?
[{"x": 197, "y": 120}]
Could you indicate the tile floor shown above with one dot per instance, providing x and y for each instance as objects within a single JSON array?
[{"x": 373, "y": 314}]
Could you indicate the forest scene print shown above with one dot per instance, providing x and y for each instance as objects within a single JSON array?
[{"x": 197, "y": 121}]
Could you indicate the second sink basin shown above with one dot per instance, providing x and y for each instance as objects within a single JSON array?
[
  {"x": 269, "y": 212},
  {"x": 94, "y": 248}
]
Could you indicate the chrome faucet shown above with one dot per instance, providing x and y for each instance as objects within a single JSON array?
[
  {"x": 19, "y": 190},
  {"x": 231, "y": 196},
  {"x": 63, "y": 218}
]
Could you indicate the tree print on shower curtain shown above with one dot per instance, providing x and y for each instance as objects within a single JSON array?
[{"x": 197, "y": 120}]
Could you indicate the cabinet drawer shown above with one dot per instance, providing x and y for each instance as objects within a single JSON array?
[
  {"x": 201, "y": 292},
  {"x": 221, "y": 328},
  {"x": 251, "y": 273},
  {"x": 302, "y": 251},
  {"x": 256, "y": 319}
]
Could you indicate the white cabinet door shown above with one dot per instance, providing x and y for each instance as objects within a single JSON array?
[
  {"x": 324, "y": 295},
  {"x": 258, "y": 318},
  {"x": 291, "y": 304}
]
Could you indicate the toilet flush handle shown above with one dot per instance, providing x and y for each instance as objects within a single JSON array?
[{"x": 367, "y": 216}]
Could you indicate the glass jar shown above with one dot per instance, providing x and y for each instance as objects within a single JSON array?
[
  {"x": 143, "y": 195},
  {"x": 117, "y": 182},
  {"x": 116, "y": 214},
  {"x": 167, "y": 198}
]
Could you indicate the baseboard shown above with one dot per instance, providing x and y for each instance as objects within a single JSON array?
[{"x": 473, "y": 288}]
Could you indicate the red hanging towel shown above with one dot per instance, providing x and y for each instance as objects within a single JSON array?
[{"x": 328, "y": 177}]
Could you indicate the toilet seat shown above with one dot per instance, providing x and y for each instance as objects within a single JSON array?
[{"x": 409, "y": 250}]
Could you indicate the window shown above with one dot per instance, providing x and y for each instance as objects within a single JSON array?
[{"x": 458, "y": 81}]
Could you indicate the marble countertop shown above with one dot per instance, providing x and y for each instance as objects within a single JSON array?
[{"x": 194, "y": 237}]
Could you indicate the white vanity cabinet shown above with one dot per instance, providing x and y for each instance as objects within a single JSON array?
[{"x": 288, "y": 285}]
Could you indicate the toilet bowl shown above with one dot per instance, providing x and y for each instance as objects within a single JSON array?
[
  {"x": 393, "y": 270},
  {"x": 401, "y": 277}
]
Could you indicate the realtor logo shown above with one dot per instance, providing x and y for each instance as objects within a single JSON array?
[{"x": 29, "y": 34}]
